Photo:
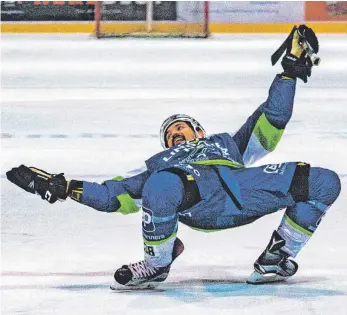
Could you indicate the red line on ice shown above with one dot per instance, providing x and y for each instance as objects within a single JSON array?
[{"x": 53, "y": 274}]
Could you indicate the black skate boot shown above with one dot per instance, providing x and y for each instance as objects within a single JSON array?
[
  {"x": 273, "y": 264},
  {"x": 142, "y": 275}
]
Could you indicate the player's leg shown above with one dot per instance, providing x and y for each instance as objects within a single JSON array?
[
  {"x": 162, "y": 196},
  {"x": 314, "y": 190},
  {"x": 302, "y": 220}
]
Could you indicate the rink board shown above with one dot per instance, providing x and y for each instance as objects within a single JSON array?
[{"x": 86, "y": 27}]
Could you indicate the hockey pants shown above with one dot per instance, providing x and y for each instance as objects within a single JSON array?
[{"x": 306, "y": 193}]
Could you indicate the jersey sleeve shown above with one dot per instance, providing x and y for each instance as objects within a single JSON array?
[
  {"x": 264, "y": 128},
  {"x": 122, "y": 195}
]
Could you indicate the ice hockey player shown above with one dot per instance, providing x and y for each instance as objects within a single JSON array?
[{"x": 202, "y": 181}]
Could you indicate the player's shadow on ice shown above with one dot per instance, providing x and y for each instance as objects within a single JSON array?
[{"x": 197, "y": 290}]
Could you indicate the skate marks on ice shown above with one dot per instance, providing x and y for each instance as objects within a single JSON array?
[
  {"x": 64, "y": 287},
  {"x": 186, "y": 289},
  {"x": 198, "y": 290},
  {"x": 70, "y": 281},
  {"x": 224, "y": 282}
]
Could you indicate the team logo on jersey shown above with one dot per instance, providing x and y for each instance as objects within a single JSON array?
[
  {"x": 147, "y": 220},
  {"x": 275, "y": 168}
]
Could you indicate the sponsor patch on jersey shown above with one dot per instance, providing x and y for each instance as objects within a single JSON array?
[{"x": 147, "y": 220}]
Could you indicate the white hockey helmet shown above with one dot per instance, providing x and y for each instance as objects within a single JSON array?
[{"x": 194, "y": 124}]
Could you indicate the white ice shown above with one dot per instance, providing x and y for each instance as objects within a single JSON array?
[{"x": 92, "y": 109}]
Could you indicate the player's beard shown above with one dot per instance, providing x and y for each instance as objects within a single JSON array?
[{"x": 178, "y": 138}]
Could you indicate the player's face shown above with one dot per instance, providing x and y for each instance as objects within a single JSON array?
[{"x": 180, "y": 132}]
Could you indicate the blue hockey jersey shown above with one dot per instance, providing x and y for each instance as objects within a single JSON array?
[{"x": 257, "y": 137}]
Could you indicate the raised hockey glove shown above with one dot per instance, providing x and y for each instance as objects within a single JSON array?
[
  {"x": 50, "y": 187},
  {"x": 301, "y": 47}
]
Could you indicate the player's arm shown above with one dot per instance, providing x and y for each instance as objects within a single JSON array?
[
  {"x": 264, "y": 128},
  {"x": 111, "y": 196},
  {"x": 119, "y": 194}
]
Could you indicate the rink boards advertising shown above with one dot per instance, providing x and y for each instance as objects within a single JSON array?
[
  {"x": 83, "y": 10},
  {"x": 224, "y": 16}
]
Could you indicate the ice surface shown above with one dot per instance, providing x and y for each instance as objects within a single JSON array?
[{"x": 93, "y": 108}]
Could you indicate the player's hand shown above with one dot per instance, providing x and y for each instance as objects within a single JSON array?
[
  {"x": 33, "y": 180},
  {"x": 296, "y": 63}
]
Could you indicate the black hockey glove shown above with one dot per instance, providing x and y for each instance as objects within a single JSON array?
[
  {"x": 301, "y": 47},
  {"x": 49, "y": 186}
]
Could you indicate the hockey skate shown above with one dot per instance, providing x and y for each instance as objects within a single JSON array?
[
  {"x": 273, "y": 265},
  {"x": 142, "y": 275}
]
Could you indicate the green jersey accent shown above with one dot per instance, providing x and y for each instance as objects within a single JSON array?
[
  {"x": 298, "y": 227},
  {"x": 267, "y": 134},
  {"x": 220, "y": 162},
  {"x": 127, "y": 204},
  {"x": 159, "y": 241}
]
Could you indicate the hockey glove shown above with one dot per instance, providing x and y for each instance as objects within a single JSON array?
[
  {"x": 301, "y": 46},
  {"x": 49, "y": 186}
]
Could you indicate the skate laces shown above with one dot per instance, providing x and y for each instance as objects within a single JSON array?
[{"x": 142, "y": 269}]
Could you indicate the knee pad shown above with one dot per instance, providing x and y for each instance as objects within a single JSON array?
[
  {"x": 163, "y": 190},
  {"x": 324, "y": 185},
  {"x": 299, "y": 188}
]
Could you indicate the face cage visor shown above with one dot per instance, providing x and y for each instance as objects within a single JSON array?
[{"x": 195, "y": 125}]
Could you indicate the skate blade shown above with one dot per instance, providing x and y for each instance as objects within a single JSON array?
[
  {"x": 144, "y": 286},
  {"x": 258, "y": 278}
]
